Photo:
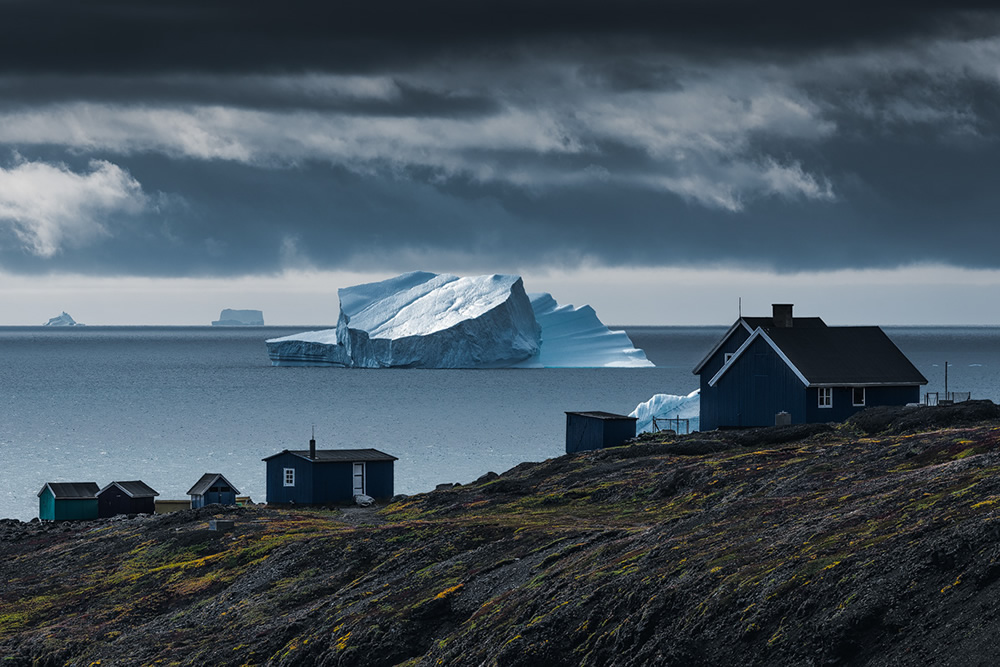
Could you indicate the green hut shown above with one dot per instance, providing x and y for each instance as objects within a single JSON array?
[{"x": 68, "y": 501}]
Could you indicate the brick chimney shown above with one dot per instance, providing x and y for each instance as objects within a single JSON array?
[{"x": 782, "y": 315}]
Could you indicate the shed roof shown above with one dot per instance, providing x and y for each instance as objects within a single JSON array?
[
  {"x": 597, "y": 414},
  {"x": 71, "y": 490},
  {"x": 133, "y": 489},
  {"x": 837, "y": 356},
  {"x": 206, "y": 482},
  {"x": 338, "y": 455}
]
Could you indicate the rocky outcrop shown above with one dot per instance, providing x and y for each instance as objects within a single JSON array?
[{"x": 829, "y": 546}]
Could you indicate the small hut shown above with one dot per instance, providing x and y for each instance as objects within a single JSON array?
[
  {"x": 596, "y": 430},
  {"x": 133, "y": 497},
  {"x": 212, "y": 488},
  {"x": 68, "y": 501},
  {"x": 328, "y": 476}
]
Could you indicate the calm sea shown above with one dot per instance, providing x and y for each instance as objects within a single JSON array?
[{"x": 166, "y": 404}]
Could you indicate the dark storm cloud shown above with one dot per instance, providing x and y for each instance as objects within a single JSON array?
[
  {"x": 210, "y": 138},
  {"x": 66, "y": 36},
  {"x": 249, "y": 92}
]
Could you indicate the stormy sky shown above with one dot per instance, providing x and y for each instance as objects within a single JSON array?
[{"x": 656, "y": 159}]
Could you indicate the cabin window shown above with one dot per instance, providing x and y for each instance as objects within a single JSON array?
[
  {"x": 826, "y": 397},
  {"x": 729, "y": 355},
  {"x": 289, "y": 476},
  {"x": 859, "y": 396}
]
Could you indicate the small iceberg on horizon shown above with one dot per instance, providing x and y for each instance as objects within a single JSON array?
[
  {"x": 240, "y": 318},
  {"x": 668, "y": 406},
  {"x": 63, "y": 320},
  {"x": 428, "y": 320}
]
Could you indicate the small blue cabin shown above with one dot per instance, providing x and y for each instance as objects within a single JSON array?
[
  {"x": 68, "y": 501},
  {"x": 134, "y": 497},
  {"x": 596, "y": 430},
  {"x": 328, "y": 476},
  {"x": 212, "y": 488},
  {"x": 764, "y": 366}
]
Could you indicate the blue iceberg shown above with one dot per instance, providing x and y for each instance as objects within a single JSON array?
[{"x": 427, "y": 320}]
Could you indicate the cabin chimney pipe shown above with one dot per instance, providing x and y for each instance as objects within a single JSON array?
[
  {"x": 782, "y": 315},
  {"x": 312, "y": 448}
]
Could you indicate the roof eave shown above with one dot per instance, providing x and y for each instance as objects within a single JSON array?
[
  {"x": 901, "y": 383},
  {"x": 720, "y": 343},
  {"x": 759, "y": 333}
]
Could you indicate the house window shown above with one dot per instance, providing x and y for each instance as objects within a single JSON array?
[
  {"x": 826, "y": 397},
  {"x": 859, "y": 396},
  {"x": 289, "y": 476},
  {"x": 729, "y": 355}
]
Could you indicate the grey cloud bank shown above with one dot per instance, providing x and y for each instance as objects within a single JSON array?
[{"x": 224, "y": 139}]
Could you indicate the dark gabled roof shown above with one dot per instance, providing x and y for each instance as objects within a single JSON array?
[
  {"x": 597, "y": 414},
  {"x": 133, "y": 489},
  {"x": 338, "y": 455},
  {"x": 751, "y": 324},
  {"x": 72, "y": 490},
  {"x": 838, "y": 356},
  {"x": 797, "y": 322},
  {"x": 205, "y": 483},
  {"x": 846, "y": 356}
]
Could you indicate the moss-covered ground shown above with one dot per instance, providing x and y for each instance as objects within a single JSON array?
[{"x": 849, "y": 545}]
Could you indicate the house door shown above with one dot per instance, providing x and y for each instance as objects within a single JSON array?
[{"x": 359, "y": 479}]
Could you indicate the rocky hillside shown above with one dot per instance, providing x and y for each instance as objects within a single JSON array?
[{"x": 876, "y": 542}]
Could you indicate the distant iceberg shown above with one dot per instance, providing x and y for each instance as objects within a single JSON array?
[
  {"x": 240, "y": 318},
  {"x": 668, "y": 406},
  {"x": 63, "y": 320},
  {"x": 427, "y": 320}
]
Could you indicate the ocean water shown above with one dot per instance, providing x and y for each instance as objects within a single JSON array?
[{"x": 167, "y": 404}]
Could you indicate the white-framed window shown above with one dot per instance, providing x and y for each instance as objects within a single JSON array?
[
  {"x": 729, "y": 355},
  {"x": 826, "y": 397},
  {"x": 858, "y": 396},
  {"x": 289, "y": 476}
]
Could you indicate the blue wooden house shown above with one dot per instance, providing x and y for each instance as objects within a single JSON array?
[
  {"x": 212, "y": 488},
  {"x": 133, "y": 497},
  {"x": 68, "y": 501},
  {"x": 328, "y": 476},
  {"x": 596, "y": 430},
  {"x": 764, "y": 366}
]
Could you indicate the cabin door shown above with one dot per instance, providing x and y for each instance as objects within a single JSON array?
[{"x": 359, "y": 479}]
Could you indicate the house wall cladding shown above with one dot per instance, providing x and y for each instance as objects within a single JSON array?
[
  {"x": 58, "y": 509},
  {"x": 843, "y": 401},
  {"x": 114, "y": 501},
  {"x": 380, "y": 479},
  {"x": 277, "y": 492},
  {"x": 710, "y": 418},
  {"x": 325, "y": 483},
  {"x": 774, "y": 388}
]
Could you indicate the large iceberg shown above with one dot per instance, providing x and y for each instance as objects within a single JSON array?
[
  {"x": 575, "y": 337},
  {"x": 426, "y": 320},
  {"x": 666, "y": 407},
  {"x": 422, "y": 320}
]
